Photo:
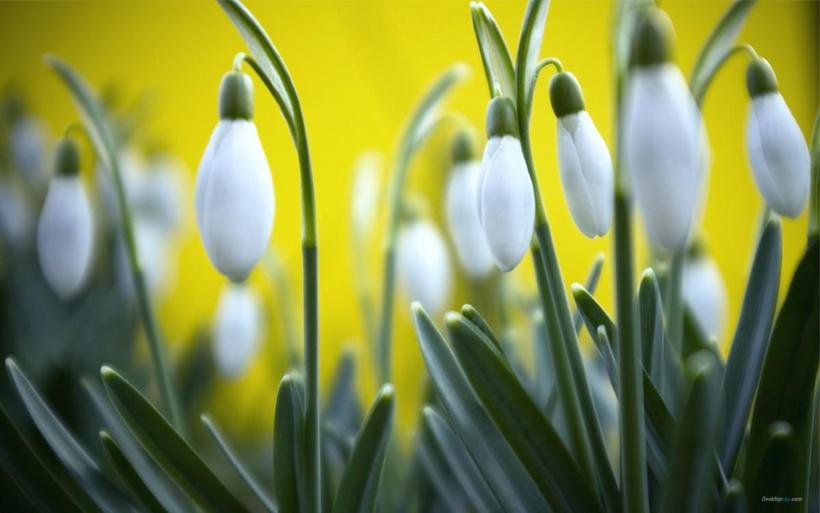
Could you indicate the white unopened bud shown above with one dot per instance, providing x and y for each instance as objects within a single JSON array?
[
  {"x": 65, "y": 232},
  {"x": 237, "y": 329},
  {"x": 461, "y": 202},
  {"x": 234, "y": 189},
  {"x": 778, "y": 154},
  {"x": 705, "y": 294},
  {"x": 366, "y": 185},
  {"x": 506, "y": 201},
  {"x": 663, "y": 152},
  {"x": 424, "y": 265}
]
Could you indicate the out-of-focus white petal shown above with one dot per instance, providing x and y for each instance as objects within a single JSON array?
[
  {"x": 65, "y": 235},
  {"x": 234, "y": 198},
  {"x": 705, "y": 295},
  {"x": 16, "y": 216},
  {"x": 27, "y": 142},
  {"x": 507, "y": 201},
  {"x": 424, "y": 265},
  {"x": 154, "y": 256},
  {"x": 662, "y": 152},
  {"x": 237, "y": 329},
  {"x": 161, "y": 194},
  {"x": 461, "y": 202},
  {"x": 131, "y": 171},
  {"x": 366, "y": 186},
  {"x": 778, "y": 154},
  {"x": 586, "y": 173}
]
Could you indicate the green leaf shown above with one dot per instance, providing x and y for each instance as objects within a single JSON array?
[
  {"x": 590, "y": 284},
  {"x": 734, "y": 500},
  {"x": 718, "y": 45},
  {"x": 651, "y": 327},
  {"x": 236, "y": 463},
  {"x": 692, "y": 465},
  {"x": 594, "y": 315},
  {"x": 787, "y": 381},
  {"x": 509, "y": 480},
  {"x": 343, "y": 410},
  {"x": 41, "y": 481},
  {"x": 495, "y": 56},
  {"x": 605, "y": 350},
  {"x": 128, "y": 475},
  {"x": 750, "y": 342},
  {"x": 167, "y": 447},
  {"x": 268, "y": 64},
  {"x": 778, "y": 474},
  {"x": 157, "y": 482},
  {"x": 472, "y": 315},
  {"x": 458, "y": 459},
  {"x": 360, "y": 482},
  {"x": 67, "y": 449},
  {"x": 444, "y": 476},
  {"x": 531, "y": 436},
  {"x": 288, "y": 445},
  {"x": 526, "y": 58},
  {"x": 814, "y": 191}
]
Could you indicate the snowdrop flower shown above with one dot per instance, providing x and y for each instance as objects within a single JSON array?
[
  {"x": 16, "y": 216},
  {"x": 506, "y": 201},
  {"x": 424, "y": 265},
  {"x": 461, "y": 203},
  {"x": 160, "y": 194},
  {"x": 27, "y": 142},
  {"x": 65, "y": 231},
  {"x": 366, "y": 185},
  {"x": 154, "y": 257},
  {"x": 234, "y": 189},
  {"x": 662, "y": 145},
  {"x": 237, "y": 329},
  {"x": 583, "y": 158},
  {"x": 777, "y": 150},
  {"x": 131, "y": 171},
  {"x": 705, "y": 294}
]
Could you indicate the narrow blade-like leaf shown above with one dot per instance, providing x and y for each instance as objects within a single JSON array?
[
  {"x": 360, "y": 482},
  {"x": 590, "y": 285},
  {"x": 495, "y": 56},
  {"x": 506, "y": 475},
  {"x": 750, "y": 342},
  {"x": 167, "y": 447},
  {"x": 128, "y": 475},
  {"x": 526, "y": 58},
  {"x": 288, "y": 445}
]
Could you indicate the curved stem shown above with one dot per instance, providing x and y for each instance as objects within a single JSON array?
[{"x": 700, "y": 94}]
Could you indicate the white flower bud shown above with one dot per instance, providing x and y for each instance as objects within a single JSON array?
[
  {"x": 27, "y": 142},
  {"x": 234, "y": 189},
  {"x": 586, "y": 173},
  {"x": 65, "y": 232},
  {"x": 461, "y": 202},
  {"x": 704, "y": 294},
  {"x": 16, "y": 215},
  {"x": 663, "y": 151},
  {"x": 778, "y": 154},
  {"x": 237, "y": 329},
  {"x": 366, "y": 185},
  {"x": 423, "y": 265}
]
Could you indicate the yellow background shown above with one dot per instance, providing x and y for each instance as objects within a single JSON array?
[{"x": 359, "y": 68}]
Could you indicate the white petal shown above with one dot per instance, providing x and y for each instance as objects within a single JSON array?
[
  {"x": 161, "y": 194},
  {"x": 507, "y": 202},
  {"x": 234, "y": 198},
  {"x": 705, "y": 294},
  {"x": 237, "y": 329},
  {"x": 28, "y": 150},
  {"x": 65, "y": 236},
  {"x": 461, "y": 202},
  {"x": 586, "y": 173},
  {"x": 16, "y": 215},
  {"x": 662, "y": 152},
  {"x": 154, "y": 257},
  {"x": 366, "y": 188},
  {"x": 778, "y": 154},
  {"x": 424, "y": 265}
]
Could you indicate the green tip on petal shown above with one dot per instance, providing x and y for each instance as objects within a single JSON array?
[
  {"x": 67, "y": 158},
  {"x": 760, "y": 78},
  {"x": 652, "y": 43},
  {"x": 501, "y": 118},
  {"x": 463, "y": 147},
  {"x": 236, "y": 96},
  {"x": 565, "y": 94}
]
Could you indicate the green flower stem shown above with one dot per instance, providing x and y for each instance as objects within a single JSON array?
[
  {"x": 699, "y": 92},
  {"x": 814, "y": 192},
  {"x": 310, "y": 280},
  {"x": 632, "y": 425},
  {"x": 673, "y": 302}
]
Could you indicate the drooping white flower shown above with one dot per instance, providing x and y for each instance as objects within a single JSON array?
[
  {"x": 160, "y": 194},
  {"x": 27, "y": 142},
  {"x": 777, "y": 150},
  {"x": 237, "y": 329},
  {"x": 234, "y": 189},
  {"x": 16, "y": 215},
  {"x": 705, "y": 294},
  {"x": 506, "y": 201},
  {"x": 154, "y": 257},
  {"x": 662, "y": 148},
  {"x": 583, "y": 158},
  {"x": 366, "y": 185},
  {"x": 424, "y": 265},
  {"x": 461, "y": 203},
  {"x": 131, "y": 167},
  {"x": 65, "y": 232}
]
